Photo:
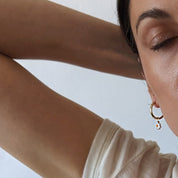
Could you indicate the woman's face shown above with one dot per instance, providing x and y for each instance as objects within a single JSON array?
[{"x": 155, "y": 28}]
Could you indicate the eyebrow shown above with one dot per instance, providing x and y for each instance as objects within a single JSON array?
[{"x": 153, "y": 13}]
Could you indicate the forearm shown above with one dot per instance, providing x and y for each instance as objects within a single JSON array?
[{"x": 39, "y": 29}]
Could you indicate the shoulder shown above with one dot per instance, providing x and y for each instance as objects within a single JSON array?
[{"x": 116, "y": 152}]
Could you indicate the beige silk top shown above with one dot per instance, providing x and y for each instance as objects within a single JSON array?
[{"x": 115, "y": 153}]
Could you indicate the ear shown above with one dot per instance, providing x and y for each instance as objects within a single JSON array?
[{"x": 153, "y": 97}]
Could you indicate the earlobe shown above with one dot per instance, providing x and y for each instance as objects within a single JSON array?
[{"x": 153, "y": 98}]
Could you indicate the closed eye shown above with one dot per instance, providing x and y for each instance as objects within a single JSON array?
[{"x": 163, "y": 44}]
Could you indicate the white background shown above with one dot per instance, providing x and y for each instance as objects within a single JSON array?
[{"x": 124, "y": 101}]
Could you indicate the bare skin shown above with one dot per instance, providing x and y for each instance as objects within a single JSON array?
[
  {"x": 54, "y": 32},
  {"x": 42, "y": 129},
  {"x": 159, "y": 61}
]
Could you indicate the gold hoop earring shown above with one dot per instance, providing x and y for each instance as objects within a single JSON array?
[{"x": 158, "y": 125}]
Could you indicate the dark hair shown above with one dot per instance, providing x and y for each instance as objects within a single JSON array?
[{"x": 124, "y": 20}]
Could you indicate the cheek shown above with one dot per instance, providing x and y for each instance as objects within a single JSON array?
[{"x": 161, "y": 72}]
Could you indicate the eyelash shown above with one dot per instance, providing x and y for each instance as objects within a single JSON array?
[{"x": 165, "y": 43}]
